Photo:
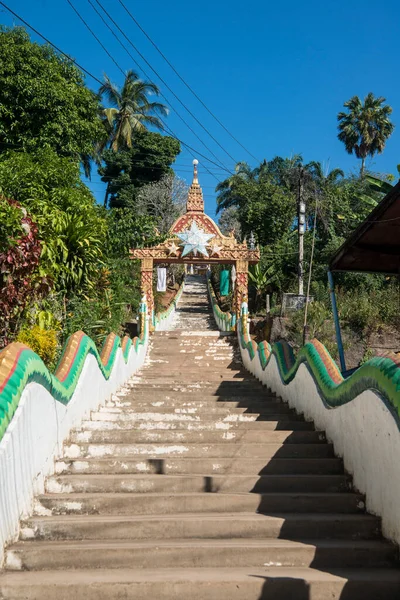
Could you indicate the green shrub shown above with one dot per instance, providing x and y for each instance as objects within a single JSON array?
[
  {"x": 42, "y": 341},
  {"x": 360, "y": 311},
  {"x": 320, "y": 326}
]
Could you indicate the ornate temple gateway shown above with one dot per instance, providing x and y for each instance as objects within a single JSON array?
[{"x": 195, "y": 238}]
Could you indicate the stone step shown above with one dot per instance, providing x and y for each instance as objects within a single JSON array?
[
  {"x": 179, "y": 398},
  {"x": 224, "y": 553},
  {"x": 221, "y": 417},
  {"x": 168, "y": 368},
  {"x": 280, "y": 583},
  {"x": 202, "y": 525},
  {"x": 172, "y": 484},
  {"x": 188, "y": 357},
  {"x": 191, "y": 466},
  {"x": 187, "y": 354},
  {"x": 157, "y": 450},
  {"x": 209, "y": 425},
  {"x": 182, "y": 400},
  {"x": 128, "y": 436},
  {"x": 231, "y": 388},
  {"x": 145, "y": 504},
  {"x": 210, "y": 378},
  {"x": 266, "y": 409}
]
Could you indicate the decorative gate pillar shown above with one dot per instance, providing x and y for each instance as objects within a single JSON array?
[
  {"x": 146, "y": 285},
  {"x": 241, "y": 289}
]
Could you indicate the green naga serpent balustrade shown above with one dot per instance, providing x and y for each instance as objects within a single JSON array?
[
  {"x": 19, "y": 366},
  {"x": 380, "y": 374}
]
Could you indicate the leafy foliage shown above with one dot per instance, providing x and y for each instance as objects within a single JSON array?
[
  {"x": 18, "y": 264},
  {"x": 125, "y": 172},
  {"x": 264, "y": 207},
  {"x": 264, "y": 200},
  {"x": 44, "y": 102},
  {"x": 42, "y": 341},
  {"x": 10, "y": 223},
  {"x": 262, "y": 278},
  {"x": 71, "y": 227}
]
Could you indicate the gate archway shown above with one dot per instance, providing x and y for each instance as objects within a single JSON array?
[{"x": 195, "y": 238}]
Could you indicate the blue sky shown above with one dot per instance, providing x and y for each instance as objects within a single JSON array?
[{"x": 275, "y": 73}]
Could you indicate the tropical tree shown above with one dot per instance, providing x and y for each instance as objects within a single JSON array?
[
  {"x": 322, "y": 178},
  {"x": 228, "y": 190},
  {"x": 130, "y": 110},
  {"x": 262, "y": 279},
  {"x": 71, "y": 227},
  {"x": 365, "y": 127},
  {"x": 127, "y": 171},
  {"x": 44, "y": 102}
]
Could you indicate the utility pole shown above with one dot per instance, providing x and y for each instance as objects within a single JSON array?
[{"x": 301, "y": 216}]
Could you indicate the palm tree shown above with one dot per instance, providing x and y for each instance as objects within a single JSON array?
[
  {"x": 227, "y": 195},
  {"x": 323, "y": 179},
  {"x": 130, "y": 109},
  {"x": 321, "y": 183},
  {"x": 366, "y": 126}
]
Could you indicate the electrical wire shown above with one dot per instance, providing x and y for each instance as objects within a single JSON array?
[
  {"x": 163, "y": 81},
  {"x": 51, "y": 43},
  {"x": 95, "y": 36},
  {"x": 196, "y": 152},
  {"x": 146, "y": 75},
  {"x": 220, "y": 165},
  {"x": 186, "y": 84}
]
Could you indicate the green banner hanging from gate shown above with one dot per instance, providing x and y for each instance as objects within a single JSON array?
[{"x": 224, "y": 282}]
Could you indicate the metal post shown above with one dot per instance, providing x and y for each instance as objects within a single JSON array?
[
  {"x": 337, "y": 324},
  {"x": 301, "y": 226}
]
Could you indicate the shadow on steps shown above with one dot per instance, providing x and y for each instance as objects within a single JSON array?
[{"x": 285, "y": 588}]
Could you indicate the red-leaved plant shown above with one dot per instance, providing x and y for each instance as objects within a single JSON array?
[{"x": 19, "y": 279}]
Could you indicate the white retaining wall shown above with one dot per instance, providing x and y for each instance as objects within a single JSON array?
[
  {"x": 40, "y": 425},
  {"x": 364, "y": 433}
]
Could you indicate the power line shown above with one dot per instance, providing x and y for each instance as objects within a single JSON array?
[
  {"x": 146, "y": 75},
  {"x": 95, "y": 36},
  {"x": 166, "y": 127},
  {"x": 164, "y": 82},
  {"x": 185, "y": 82},
  {"x": 51, "y": 43},
  {"x": 196, "y": 152}
]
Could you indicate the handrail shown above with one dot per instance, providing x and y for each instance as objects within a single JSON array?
[
  {"x": 19, "y": 366},
  {"x": 165, "y": 314},
  {"x": 380, "y": 374},
  {"x": 226, "y": 321}
]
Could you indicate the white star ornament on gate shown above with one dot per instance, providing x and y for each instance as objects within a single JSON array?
[{"x": 194, "y": 240}]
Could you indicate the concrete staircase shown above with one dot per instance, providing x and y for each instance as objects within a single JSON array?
[{"x": 195, "y": 482}]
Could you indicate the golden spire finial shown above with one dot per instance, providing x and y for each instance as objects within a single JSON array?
[
  {"x": 195, "y": 163},
  {"x": 195, "y": 196}
]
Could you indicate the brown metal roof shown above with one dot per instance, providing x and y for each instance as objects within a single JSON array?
[{"x": 374, "y": 247}]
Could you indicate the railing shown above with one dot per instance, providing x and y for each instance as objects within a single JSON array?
[
  {"x": 360, "y": 414},
  {"x": 162, "y": 320},
  {"x": 226, "y": 321},
  {"x": 38, "y": 409}
]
